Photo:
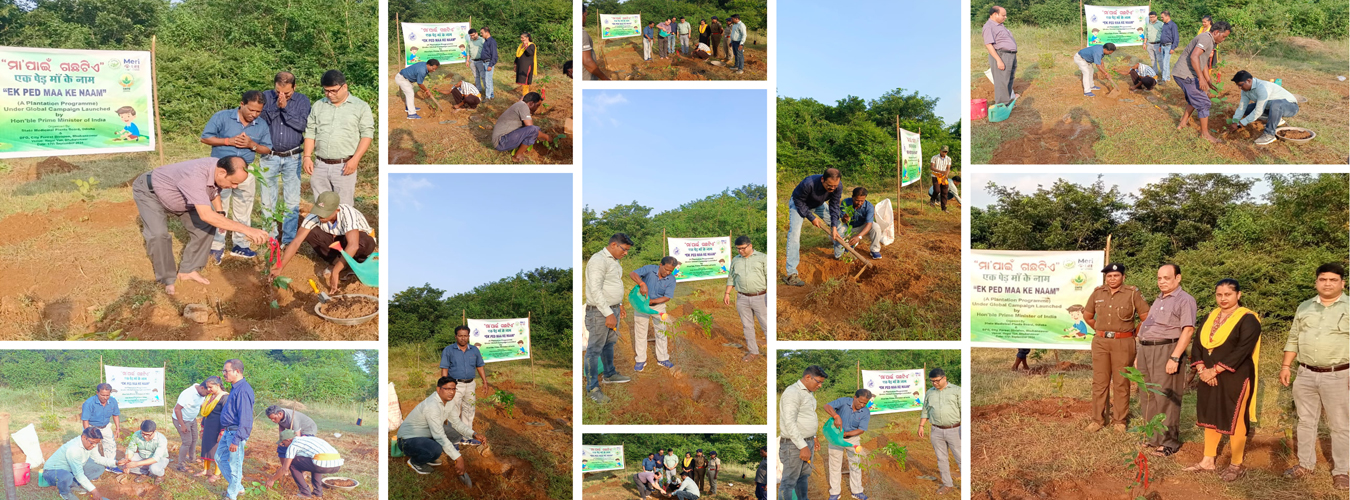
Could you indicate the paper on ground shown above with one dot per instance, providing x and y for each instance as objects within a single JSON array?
[{"x": 27, "y": 439}]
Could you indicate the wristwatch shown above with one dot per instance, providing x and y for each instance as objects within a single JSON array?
[{"x": 1174, "y": 358}]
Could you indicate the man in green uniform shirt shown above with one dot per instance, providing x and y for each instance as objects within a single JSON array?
[
  {"x": 748, "y": 276},
  {"x": 1110, "y": 311},
  {"x": 1319, "y": 339},
  {"x": 942, "y": 408},
  {"x": 148, "y": 453},
  {"x": 340, "y": 129}
]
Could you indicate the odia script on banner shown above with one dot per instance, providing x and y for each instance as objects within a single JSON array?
[
  {"x": 911, "y": 158},
  {"x": 620, "y": 25},
  {"x": 701, "y": 258},
  {"x": 595, "y": 458},
  {"x": 894, "y": 390},
  {"x": 136, "y": 387},
  {"x": 1031, "y": 299},
  {"x": 501, "y": 339},
  {"x": 71, "y": 102},
  {"x": 1122, "y": 26},
  {"x": 444, "y": 42}
]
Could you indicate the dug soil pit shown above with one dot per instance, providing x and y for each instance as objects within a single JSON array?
[{"x": 350, "y": 307}]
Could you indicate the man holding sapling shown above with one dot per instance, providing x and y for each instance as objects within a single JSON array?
[
  {"x": 657, "y": 283},
  {"x": 812, "y": 199},
  {"x": 1090, "y": 57},
  {"x": 862, "y": 223},
  {"x": 1262, "y": 100},
  {"x": 1192, "y": 75},
  {"x": 748, "y": 277},
  {"x": 515, "y": 129},
  {"x": 328, "y": 224},
  {"x": 851, "y": 415}
]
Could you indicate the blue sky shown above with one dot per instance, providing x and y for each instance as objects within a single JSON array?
[
  {"x": 829, "y": 50},
  {"x": 665, "y": 148},
  {"x": 458, "y": 231},
  {"x": 1027, "y": 183}
]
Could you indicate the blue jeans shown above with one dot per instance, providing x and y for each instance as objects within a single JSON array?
[
  {"x": 420, "y": 450},
  {"x": 1165, "y": 59},
  {"x": 739, "y": 50},
  {"x": 285, "y": 171},
  {"x": 487, "y": 83},
  {"x": 64, "y": 479},
  {"x": 231, "y": 464},
  {"x": 599, "y": 348},
  {"x": 795, "y": 235},
  {"x": 478, "y": 72},
  {"x": 1276, "y": 110}
]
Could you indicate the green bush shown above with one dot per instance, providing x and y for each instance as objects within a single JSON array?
[
  {"x": 754, "y": 13},
  {"x": 733, "y": 212},
  {"x": 731, "y": 448},
  {"x": 549, "y": 23}
]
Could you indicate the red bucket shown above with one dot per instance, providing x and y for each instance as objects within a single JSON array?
[
  {"x": 21, "y": 473},
  {"x": 979, "y": 109}
]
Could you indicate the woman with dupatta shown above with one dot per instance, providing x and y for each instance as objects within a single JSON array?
[
  {"x": 526, "y": 63},
  {"x": 1226, "y": 351},
  {"x": 211, "y": 427}
]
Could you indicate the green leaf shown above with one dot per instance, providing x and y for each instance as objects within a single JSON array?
[
  {"x": 282, "y": 282},
  {"x": 255, "y": 483},
  {"x": 275, "y": 305}
]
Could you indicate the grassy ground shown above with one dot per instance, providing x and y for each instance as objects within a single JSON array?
[
  {"x": 699, "y": 361},
  {"x": 58, "y": 422},
  {"x": 1055, "y": 123},
  {"x": 1022, "y": 422},
  {"x": 621, "y": 59},
  {"x": 618, "y": 484},
  {"x": 913, "y": 294},
  {"x": 534, "y": 442}
]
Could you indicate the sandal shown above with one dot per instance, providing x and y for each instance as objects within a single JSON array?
[
  {"x": 1163, "y": 451},
  {"x": 1233, "y": 473}
]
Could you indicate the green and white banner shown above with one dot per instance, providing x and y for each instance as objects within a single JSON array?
[
  {"x": 700, "y": 258},
  {"x": 895, "y": 390},
  {"x": 1031, "y": 299},
  {"x": 501, "y": 339},
  {"x": 1122, "y": 26},
  {"x": 911, "y": 158},
  {"x": 72, "y": 102},
  {"x": 136, "y": 387},
  {"x": 620, "y": 25},
  {"x": 595, "y": 458},
  {"x": 444, "y": 42}
]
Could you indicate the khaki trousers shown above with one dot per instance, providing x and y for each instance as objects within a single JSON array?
[
  {"x": 643, "y": 322},
  {"x": 464, "y": 402},
  {"x": 1315, "y": 393},
  {"x": 1109, "y": 357},
  {"x": 855, "y": 479}
]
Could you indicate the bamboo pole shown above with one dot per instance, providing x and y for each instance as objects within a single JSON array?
[
  {"x": 1082, "y": 25},
  {"x": 464, "y": 317},
  {"x": 154, "y": 84},
  {"x": 1108, "y": 250},
  {"x": 898, "y": 176},
  {"x": 665, "y": 243},
  {"x": 858, "y": 368},
  {"x": 528, "y": 315},
  {"x": 7, "y": 458},
  {"x": 399, "y": 28}
]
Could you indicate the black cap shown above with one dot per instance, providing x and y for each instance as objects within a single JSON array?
[{"x": 1114, "y": 268}]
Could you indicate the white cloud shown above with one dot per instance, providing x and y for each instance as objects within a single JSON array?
[
  {"x": 404, "y": 189},
  {"x": 598, "y": 104}
]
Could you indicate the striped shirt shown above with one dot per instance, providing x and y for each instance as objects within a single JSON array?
[
  {"x": 467, "y": 88},
  {"x": 318, "y": 450},
  {"x": 348, "y": 219}
]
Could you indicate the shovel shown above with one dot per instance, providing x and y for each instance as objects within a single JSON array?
[
  {"x": 323, "y": 296},
  {"x": 866, "y": 263}
]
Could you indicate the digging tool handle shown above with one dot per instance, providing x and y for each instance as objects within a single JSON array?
[{"x": 850, "y": 249}]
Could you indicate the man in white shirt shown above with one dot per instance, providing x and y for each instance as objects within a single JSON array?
[
  {"x": 797, "y": 424},
  {"x": 1262, "y": 99},
  {"x": 688, "y": 488},
  {"x": 185, "y": 421},
  {"x": 69, "y": 465},
  {"x": 604, "y": 307},
  {"x": 940, "y": 165},
  {"x": 422, "y": 436}
]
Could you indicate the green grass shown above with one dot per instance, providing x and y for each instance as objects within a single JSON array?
[
  {"x": 1308, "y": 68},
  {"x": 56, "y": 421}
]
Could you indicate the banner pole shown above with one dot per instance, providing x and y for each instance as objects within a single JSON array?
[
  {"x": 859, "y": 370},
  {"x": 1082, "y": 24},
  {"x": 154, "y": 86},
  {"x": 101, "y": 372},
  {"x": 398, "y": 27},
  {"x": 898, "y": 175},
  {"x": 665, "y": 243},
  {"x": 464, "y": 317},
  {"x": 1108, "y": 250},
  {"x": 528, "y": 316}
]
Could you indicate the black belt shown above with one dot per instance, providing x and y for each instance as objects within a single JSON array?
[
  {"x": 230, "y": 428},
  {"x": 148, "y": 184},
  {"x": 464, "y": 381},
  {"x": 1157, "y": 342},
  {"x": 953, "y": 426},
  {"x": 1319, "y": 369},
  {"x": 290, "y": 152},
  {"x": 597, "y": 308},
  {"x": 338, "y": 161},
  {"x": 1006, "y": 51},
  {"x": 754, "y": 294}
]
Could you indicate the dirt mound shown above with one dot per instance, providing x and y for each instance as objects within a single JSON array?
[
  {"x": 53, "y": 165},
  {"x": 350, "y": 307},
  {"x": 1057, "y": 408},
  {"x": 622, "y": 60},
  {"x": 464, "y": 136},
  {"x": 882, "y": 474},
  {"x": 1294, "y": 134}
]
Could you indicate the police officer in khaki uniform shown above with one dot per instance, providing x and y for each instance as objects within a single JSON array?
[{"x": 1111, "y": 311}]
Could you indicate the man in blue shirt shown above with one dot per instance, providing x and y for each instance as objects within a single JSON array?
[
  {"x": 286, "y": 113},
  {"x": 862, "y": 223},
  {"x": 657, "y": 283},
  {"x": 489, "y": 56},
  {"x": 244, "y": 133},
  {"x": 460, "y": 361},
  {"x": 406, "y": 77},
  {"x": 236, "y": 422},
  {"x": 648, "y": 34},
  {"x": 1262, "y": 99},
  {"x": 649, "y": 463},
  {"x": 1087, "y": 58},
  {"x": 101, "y": 412},
  {"x": 1167, "y": 45},
  {"x": 851, "y": 416},
  {"x": 812, "y": 197}
]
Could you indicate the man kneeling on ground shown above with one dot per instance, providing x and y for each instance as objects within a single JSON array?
[
  {"x": 515, "y": 128},
  {"x": 1262, "y": 100},
  {"x": 306, "y": 454},
  {"x": 688, "y": 489},
  {"x": 465, "y": 95},
  {"x": 148, "y": 453},
  {"x": 331, "y": 223},
  {"x": 77, "y": 461},
  {"x": 1142, "y": 77},
  {"x": 422, "y": 436}
]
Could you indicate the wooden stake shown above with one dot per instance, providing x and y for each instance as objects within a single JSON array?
[
  {"x": 1108, "y": 250},
  {"x": 858, "y": 368},
  {"x": 398, "y": 26},
  {"x": 7, "y": 458},
  {"x": 665, "y": 244},
  {"x": 154, "y": 84},
  {"x": 1082, "y": 25},
  {"x": 898, "y": 170},
  {"x": 531, "y": 354}
]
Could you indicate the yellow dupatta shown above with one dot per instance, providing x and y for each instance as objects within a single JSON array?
[
  {"x": 211, "y": 405},
  {"x": 534, "y": 61},
  {"x": 701, "y": 27},
  {"x": 1211, "y": 341},
  {"x": 688, "y": 461}
]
